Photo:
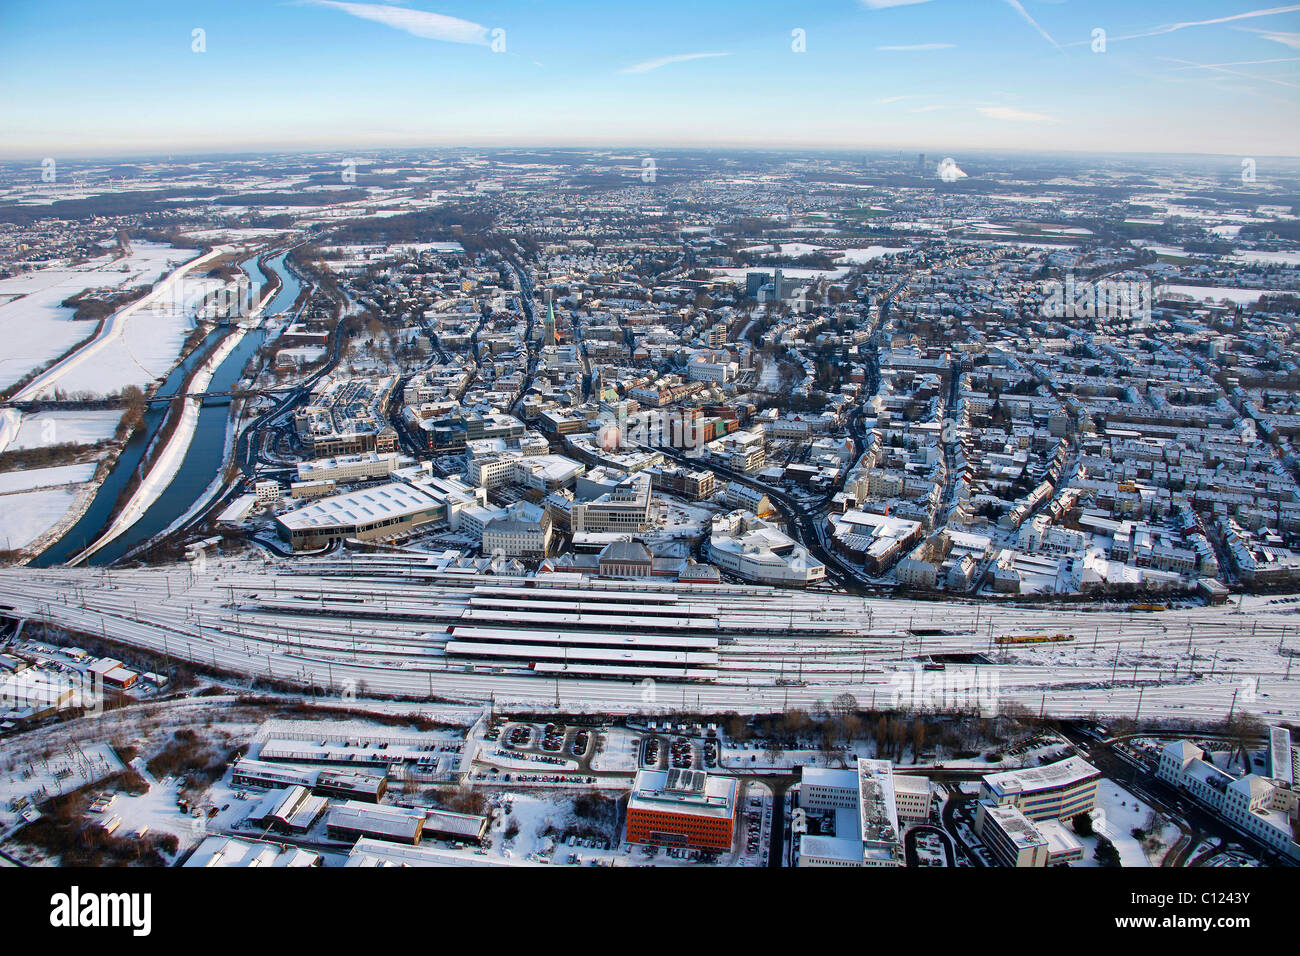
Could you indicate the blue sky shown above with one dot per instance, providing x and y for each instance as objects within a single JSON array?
[{"x": 89, "y": 77}]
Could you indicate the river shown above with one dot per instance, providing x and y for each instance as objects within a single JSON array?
[{"x": 203, "y": 460}]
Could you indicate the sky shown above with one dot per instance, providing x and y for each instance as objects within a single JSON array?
[{"x": 139, "y": 77}]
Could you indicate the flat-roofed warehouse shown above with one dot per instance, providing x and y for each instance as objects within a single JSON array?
[
  {"x": 376, "y": 853},
  {"x": 455, "y": 826},
  {"x": 288, "y": 810},
  {"x": 344, "y": 784},
  {"x": 365, "y": 515},
  {"x": 354, "y": 820},
  {"x": 221, "y": 851}
]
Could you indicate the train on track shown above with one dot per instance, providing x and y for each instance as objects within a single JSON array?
[{"x": 1033, "y": 638}]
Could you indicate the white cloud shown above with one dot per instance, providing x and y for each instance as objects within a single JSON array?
[
  {"x": 882, "y": 4},
  {"x": 648, "y": 65},
  {"x": 918, "y": 47},
  {"x": 1014, "y": 115},
  {"x": 420, "y": 23}
]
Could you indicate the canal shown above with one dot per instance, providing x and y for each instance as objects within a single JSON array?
[{"x": 203, "y": 460}]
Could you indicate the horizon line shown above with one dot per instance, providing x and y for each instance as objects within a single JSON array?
[{"x": 9, "y": 157}]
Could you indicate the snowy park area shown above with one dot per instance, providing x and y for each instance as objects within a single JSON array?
[{"x": 1118, "y": 813}]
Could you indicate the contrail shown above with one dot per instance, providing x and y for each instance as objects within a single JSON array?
[{"x": 1020, "y": 9}]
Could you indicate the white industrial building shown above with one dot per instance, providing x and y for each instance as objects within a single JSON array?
[
  {"x": 1268, "y": 809},
  {"x": 867, "y": 803},
  {"x": 524, "y": 531},
  {"x": 759, "y": 551},
  {"x": 359, "y": 467},
  {"x": 625, "y": 508}
]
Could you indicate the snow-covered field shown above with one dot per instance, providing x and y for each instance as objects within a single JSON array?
[
  {"x": 36, "y": 329},
  {"x": 1215, "y": 293},
  {"x": 156, "y": 811},
  {"x": 1270, "y": 258},
  {"x": 27, "y": 515},
  {"x": 234, "y": 234},
  {"x": 867, "y": 254},
  {"x": 33, "y": 501},
  {"x": 44, "y": 429},
  {"x": 46, "y": 477},
  {"x": 138, "y": 343},
  {"x": 738, "y": 275}
]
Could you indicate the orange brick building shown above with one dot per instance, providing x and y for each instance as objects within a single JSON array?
[{"x": 682, "y": 808}]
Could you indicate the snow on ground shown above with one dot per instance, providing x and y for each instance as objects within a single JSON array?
[
  {"x": 44, "y": 429},
  {"x": 232, "y": 234},
  {"x": 139, "y": 345},
  {"x": 1118, "y": 812},
  {"x": 1269, "y": 258},
  {"x": 532, "y": 813},
  {"x": 26, "y": 515},
  {"x": 746, "y": 756},
  {"x": 618, "y": 751},
  {"x": 169, "y": 461},
  {"x": 156, "y": 812},
  {"x": 1215, "y": 293},
  {"x": 11, "y": 481},
  {"x": 66, "y": 769},
  {"x": 533, "y": 763},
  {"x": 35, "y": 500},
  {"x": 680, "y": 518},
  {"x": 10, "y": 421},
  {"x": 139, "y": 342},
  {"x": 738, "y": 275},
  {"x": 157, "y": 809},
  {"x": 868, "y": 253},
  {"x": 34, "y": 326}
]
